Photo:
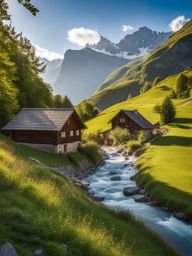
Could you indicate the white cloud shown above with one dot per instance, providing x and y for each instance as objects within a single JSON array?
[
  {"x": 178, "y": 23},
  {"x": 127, "y": 29},
  {"x": 44, "y": 53},
  {"x": 82, "y": 36}
]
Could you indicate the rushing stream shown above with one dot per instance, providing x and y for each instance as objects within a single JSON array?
[{"x": 176, "y": 232}]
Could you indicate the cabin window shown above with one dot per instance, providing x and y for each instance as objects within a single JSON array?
[
  {"x": 68, "y": 122},
  {"x": 123, "y": 120},
  {"x": 63, "y": 134},
  {"x": 71, "y": 133},
  {"x": 77, "y": 132}
]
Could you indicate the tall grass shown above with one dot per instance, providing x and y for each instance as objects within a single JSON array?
[{"x": 40, "y": 209}]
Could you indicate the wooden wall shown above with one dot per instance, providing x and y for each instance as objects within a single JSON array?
[
  {"x": 129, "y": 123},
  {"x": 36, "y": 137}
]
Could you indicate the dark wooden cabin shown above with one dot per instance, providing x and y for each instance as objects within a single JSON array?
[
  {"x": 51, "y": 129},
  {"x": 131, "y": 120}
]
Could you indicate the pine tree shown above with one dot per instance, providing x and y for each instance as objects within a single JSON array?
[
  {"x": 147, "y": 86},
  {"x": 167, "y": 111},
  {"x": 156, "y": 80},
  {"x": 182, "y": 89},
  {"x": 67, "y": 103},
  {"x": 57, "y": 101}
]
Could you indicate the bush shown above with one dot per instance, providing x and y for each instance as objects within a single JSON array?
[
  {"x": 167, "y": 111},
  {"x": 141, "y": 138},
  {"x": 157, "y": 109},
  {"x": 182, "y": 87},
  {"x": 119, "y": 136},
  {"x": 147, "y": 86},
  {"x": 156, "y": 80},
  {"x": 92, "y": 152},
  {"x": 86, "y": 110},
  {"x": 173, "y": 94},
  {"x": 95, "y": 138},
  {"x": 133, "y": 146}
]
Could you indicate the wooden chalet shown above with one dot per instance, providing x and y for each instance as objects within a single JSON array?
[
  {"x": 56, "y": 130},
  {"x": 131, "y": 120}
]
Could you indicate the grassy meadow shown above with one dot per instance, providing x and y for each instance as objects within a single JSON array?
[
  {"x": 166, "y": 169},
  {"x": 40, "y": 209}
]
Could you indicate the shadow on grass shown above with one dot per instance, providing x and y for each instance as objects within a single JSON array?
[
  {"x": 182, "y": 121},
  {"x": 166, "y": 195},
  {"x": 174, "y": 140}
]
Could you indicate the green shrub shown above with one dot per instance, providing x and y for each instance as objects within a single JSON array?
[
  {"x": 156, "y": 80},
  {"x": 147, "y": 86},
  {"x": 157, "y": 109},
  {"x": 141, "y": 138},
  {"x": 182, "y": 87},
  {"x": 95, "y": 138},
  {"x": 133, "y": 145},
  {"x": 173, "y": 94},
  {"x": 119, "y": 136},
  {"x": 92, "y": 152},
  {"x": 167, "y": 111}
]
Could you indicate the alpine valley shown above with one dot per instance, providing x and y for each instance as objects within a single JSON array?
[{"x": 82, "y": 71}]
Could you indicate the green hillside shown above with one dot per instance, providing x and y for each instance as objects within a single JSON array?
[
  {"x": 174, "y": 56},
  {"x": 167, "y": 163},
  {"x": 115, "y": 93},
  {"x": 143, "y": 102},
  {"x": 41, "y": 209}
]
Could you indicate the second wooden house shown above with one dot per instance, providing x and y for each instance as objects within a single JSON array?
[{"x": 131, "y": 120}]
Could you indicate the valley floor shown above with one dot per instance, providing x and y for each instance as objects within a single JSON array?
[{"x": 41, "y": 209}]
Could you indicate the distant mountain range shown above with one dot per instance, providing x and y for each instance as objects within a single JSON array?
[
  {"x": 134, "y": 45},
  {"x": 170, "y": 58},
  {"x": 52, "y": 70},
  {"x": 81, "y": 71}
]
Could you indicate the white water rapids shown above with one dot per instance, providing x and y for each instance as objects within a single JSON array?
[{"x": 176, "y": 232}]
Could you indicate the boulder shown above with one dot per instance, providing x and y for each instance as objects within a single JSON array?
[
  {"x": 133, "y": 177},
  {"x": 99, "y": 198},
  {"x": 8, "y": 250},
  {"x": 84, "y": 185},
  {"x": 141, "y": 192},
  {"x": 126, "y": 165},
  {"x": 39, "y": 251},
  {"x": 179, "y": 215},
  {"x": 113, "y": 173},
  {"x": 140, "y": 198},
  {"x": 116, "y": 178},
  {"x": 129, "y": 191}
]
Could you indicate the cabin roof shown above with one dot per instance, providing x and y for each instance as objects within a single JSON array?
[
  {"x": 137, "y": 118},
  {"x": 42, "y": 119}
]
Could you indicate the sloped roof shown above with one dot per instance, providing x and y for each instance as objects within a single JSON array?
[
  {"x": 41, "y": 119},
  {"x": 137, "y": 118}
]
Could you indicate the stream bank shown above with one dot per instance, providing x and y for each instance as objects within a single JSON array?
[{"x": 109, "y": 181}]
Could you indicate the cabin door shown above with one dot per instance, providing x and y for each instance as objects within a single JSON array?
[{"x": 65, "y": 148}]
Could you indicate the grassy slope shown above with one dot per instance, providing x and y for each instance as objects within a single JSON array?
[
  {"x": 40, "y": 209},
  {"x": 115, "y": 93},
  {"x": 144, "y": 103},
  {"x": 167, "y": 165},
  {"x": 167, "y": 161}
]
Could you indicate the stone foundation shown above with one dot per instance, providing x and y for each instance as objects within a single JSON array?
[
  {"x": 45, "y": 147},
  {"x": 68, "y": 147},
  {"x": 60, "y": 149}
]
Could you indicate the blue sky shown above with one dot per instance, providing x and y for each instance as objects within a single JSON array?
[{"x": 56, "y": 17}]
